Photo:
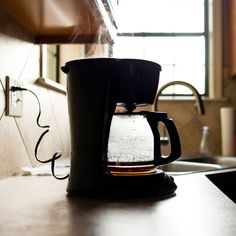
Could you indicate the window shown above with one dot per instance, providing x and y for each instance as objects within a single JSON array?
[
  {"x": 173, "y": 33},
  {"x": 53, "y": 57}
]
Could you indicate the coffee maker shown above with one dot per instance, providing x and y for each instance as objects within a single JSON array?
[{"x": 95, "y": 88}]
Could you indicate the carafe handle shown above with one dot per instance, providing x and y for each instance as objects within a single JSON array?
[{"x": 153, "y": 118}]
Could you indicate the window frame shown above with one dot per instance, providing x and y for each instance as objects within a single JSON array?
[
  {"x": 213, "y": 48},
  {"x": 43, "y": 79}
]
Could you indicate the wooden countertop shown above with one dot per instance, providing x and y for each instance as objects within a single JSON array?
[{"x": 39, "y": 206}]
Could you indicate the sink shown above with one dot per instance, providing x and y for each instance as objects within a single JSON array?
[
  {"x": 219, "y": 160},
  {"x": 186, "y": 167}
]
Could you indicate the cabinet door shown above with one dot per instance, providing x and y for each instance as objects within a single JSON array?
[{"x": 231, "y": 8}]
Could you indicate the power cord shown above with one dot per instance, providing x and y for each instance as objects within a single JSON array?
[
  {"x": 1, "y": 116},
  {"x": 56, "y": 155}
]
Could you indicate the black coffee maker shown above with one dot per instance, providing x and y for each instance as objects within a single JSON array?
[{"x": 95, "y": 88}]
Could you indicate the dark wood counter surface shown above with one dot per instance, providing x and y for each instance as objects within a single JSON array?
[{"x": 40, "y": 206}]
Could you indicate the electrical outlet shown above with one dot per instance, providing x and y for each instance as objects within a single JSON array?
[{"x": 14, "y": 99}]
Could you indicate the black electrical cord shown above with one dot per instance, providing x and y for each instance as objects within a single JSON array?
[
  {"x": 5, "y": 105},
  {"x": 56, "y": 155}
]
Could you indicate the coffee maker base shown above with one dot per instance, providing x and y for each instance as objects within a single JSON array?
[{"x": 159, "y": 184}]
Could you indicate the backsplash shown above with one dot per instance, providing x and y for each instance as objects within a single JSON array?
[{"x": 189, "y": 124}]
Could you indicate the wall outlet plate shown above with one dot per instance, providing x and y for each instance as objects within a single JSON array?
[{"x": 14, "y": 99}]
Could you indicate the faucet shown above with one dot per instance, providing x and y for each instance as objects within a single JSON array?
[{"x": 199, "y": 102}]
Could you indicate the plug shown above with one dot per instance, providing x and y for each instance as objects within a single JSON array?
[{"x": 14, "y": 97}]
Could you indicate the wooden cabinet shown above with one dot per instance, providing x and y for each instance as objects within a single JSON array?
[
  {"x": 64, "y": 21},
  {"x": 229, "y": 36},
  {"x": 232, "y": 37}
]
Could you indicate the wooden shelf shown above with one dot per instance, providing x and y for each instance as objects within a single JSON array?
[{"x": 62, "y": 21}]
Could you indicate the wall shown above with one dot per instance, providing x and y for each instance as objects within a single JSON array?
[
  {"x": 20, "y": 60},
  {"x": 189, "y": 124}
]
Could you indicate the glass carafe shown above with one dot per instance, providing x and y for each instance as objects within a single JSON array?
[{"x": 134, "y": 142}]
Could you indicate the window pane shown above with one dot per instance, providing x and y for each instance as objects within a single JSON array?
[
  {"x": 161, "y": 16},
  {"x": 52, "y": 62},
  {"x": 181, "y": 58}
]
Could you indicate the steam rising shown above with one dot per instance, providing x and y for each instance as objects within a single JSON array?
[{"x": 98, "y": 44}]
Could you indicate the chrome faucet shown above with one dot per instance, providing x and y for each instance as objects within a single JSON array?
[{"x": 199, "y": 102}]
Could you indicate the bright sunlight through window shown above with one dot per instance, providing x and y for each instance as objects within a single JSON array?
[{"x": 173, "y": 33}]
